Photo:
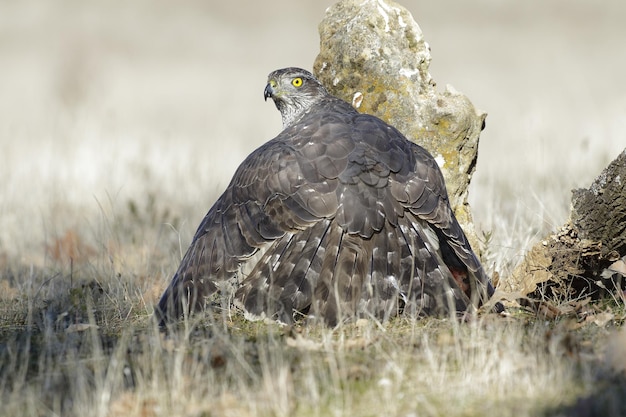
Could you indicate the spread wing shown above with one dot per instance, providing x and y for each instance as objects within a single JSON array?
[
  {"x": 281, "y": 189},
  {"x": 392, "y": 244},
  {"x": 339, "y": 215}
]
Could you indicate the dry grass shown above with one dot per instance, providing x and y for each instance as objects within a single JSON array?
[
  {"x": 123, "y": 120},
  {"x": 91, "y": 348}
]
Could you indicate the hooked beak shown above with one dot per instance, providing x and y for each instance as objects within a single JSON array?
[{"x": 268, "y": 92}]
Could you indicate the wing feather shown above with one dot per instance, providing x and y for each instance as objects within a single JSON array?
[{"x": 338, "y": 216}]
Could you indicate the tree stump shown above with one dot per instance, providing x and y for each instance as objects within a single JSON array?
[
  {"x": 587, "y": 256},
  {"x": 599, "y": 212}
]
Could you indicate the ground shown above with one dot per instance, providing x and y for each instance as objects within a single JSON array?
[{"x": 121, "y": 122}]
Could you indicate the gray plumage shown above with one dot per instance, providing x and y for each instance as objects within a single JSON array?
[{"x": 339, "y": 216}]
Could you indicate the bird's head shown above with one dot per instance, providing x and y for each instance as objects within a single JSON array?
[{"x": 294, "y": 91}]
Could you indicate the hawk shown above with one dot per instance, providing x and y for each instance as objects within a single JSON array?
[{"x": 339, "y": 216}]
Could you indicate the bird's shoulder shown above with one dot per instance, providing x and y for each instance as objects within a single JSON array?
[{"x": 333, "y": 142}]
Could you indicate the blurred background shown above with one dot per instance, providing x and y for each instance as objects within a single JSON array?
[{"x": 109, "y": 107}]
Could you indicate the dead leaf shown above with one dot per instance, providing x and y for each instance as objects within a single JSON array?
[
  {"x": 600, "y": 319},
  {"x": 617, "y": 267},
  {"x": 534, "y": 269}
]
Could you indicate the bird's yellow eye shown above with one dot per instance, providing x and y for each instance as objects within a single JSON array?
[{"x": 296, "y": 82}]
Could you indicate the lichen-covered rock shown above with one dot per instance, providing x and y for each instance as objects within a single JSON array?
[{"x": 373, "y": 54}]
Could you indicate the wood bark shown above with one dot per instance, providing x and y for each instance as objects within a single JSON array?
[{"x": 587, "y": 255}]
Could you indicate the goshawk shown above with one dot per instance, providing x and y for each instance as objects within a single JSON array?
[{"x": 339, "y": 216}]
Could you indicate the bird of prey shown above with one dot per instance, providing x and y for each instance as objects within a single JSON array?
[{"x": 339, "y": 216}]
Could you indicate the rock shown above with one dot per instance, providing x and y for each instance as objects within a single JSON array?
[
  {"x": 373, "y": 55},
  {"x": 586, "y": 256}
]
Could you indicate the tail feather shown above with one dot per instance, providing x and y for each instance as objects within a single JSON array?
[
  {"x": 342, "y": 286},
  {"x": 334, "y": 275},
  {"x": 433, "y": 290},
  {"x": 399, "y": 269},
  {"x": 282, "y": 281}
]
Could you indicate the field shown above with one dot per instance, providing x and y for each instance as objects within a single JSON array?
[{"x": 122, "y": 122}]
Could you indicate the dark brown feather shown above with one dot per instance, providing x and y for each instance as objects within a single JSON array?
[{"x": 337, "y": 217}]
